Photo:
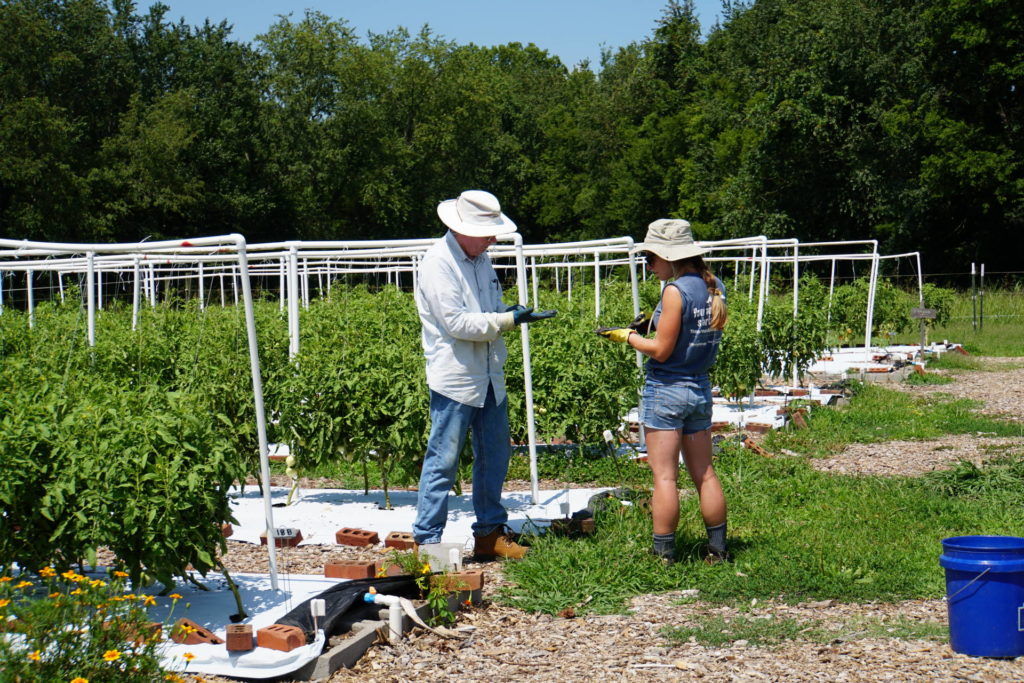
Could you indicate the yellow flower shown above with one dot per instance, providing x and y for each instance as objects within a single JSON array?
[
  {"x": 34, "y": 656},
  {"x": 4, "y": 602},
  {"x": 121, "y": 575},
  {"x": 55, "y": 594},
  {"x": 47, "y": 572},
  {"x": 97, "y": 583},
  {"x": 111, "y": 655},
  {"x": 174, "y": 596},
  {"x": 425, "y": 568},
  {"x": 23, "y": 584},
  {"x": 188, "y": 656},
  {"x": 174, "y": 678},
  {"x": 70, "y": 575},
  {"x": 77, "y": 591},
  {"x": 149, "y": 601},
  {"x": 5, "y": 579},
  {"x": 129, "y": 596},
  {"x": 79, "y": 679}
]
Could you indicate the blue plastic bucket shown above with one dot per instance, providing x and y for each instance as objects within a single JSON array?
[{"x": 985, "y": 594}]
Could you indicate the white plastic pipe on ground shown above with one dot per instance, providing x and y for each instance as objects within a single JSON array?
[{"x": 394, "y": 604}]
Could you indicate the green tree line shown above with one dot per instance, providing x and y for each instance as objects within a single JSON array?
[{"x": 818, "y": 119}]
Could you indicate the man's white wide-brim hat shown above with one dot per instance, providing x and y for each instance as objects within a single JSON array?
[
  {"x": 671, "y": 239},
  {"x": 475, "y": 213}
]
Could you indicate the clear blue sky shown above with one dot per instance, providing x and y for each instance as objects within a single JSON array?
[{"x": 571, "y": 29}]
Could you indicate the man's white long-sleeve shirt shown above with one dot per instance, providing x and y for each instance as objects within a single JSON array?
[{"x": 462, "y": 316}]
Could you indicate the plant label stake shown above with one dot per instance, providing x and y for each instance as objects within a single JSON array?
[{"x": 317, "y": 608}]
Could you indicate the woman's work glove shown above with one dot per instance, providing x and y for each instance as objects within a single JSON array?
[
  {"x": 642, "y": 324},
  {"x": 616, "y": 334},
  {"x": 528, "y": 315}
]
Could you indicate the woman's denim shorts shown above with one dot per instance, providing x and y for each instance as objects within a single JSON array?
[{"x": 685, "y": 404}]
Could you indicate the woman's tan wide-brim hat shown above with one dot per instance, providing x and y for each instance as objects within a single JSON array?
[
  {"x": 475, "y": 213},
  {"x": 671, "y": 239}
]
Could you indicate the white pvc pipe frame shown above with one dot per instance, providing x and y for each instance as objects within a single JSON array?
[
  {"x": 285, "y": 258},
  {"x": 233, "y": 242}
]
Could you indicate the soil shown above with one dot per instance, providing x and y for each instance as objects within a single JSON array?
[{"x": 507, "y": 644}]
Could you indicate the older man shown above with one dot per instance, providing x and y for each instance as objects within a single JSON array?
[{"x": 459, "y": 301}]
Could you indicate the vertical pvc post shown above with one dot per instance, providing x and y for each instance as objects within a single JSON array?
[
  {"x": 152, "y": 285},
  {"x": 920, "y": 299},
  {"x": 261, "y": 418},
  {"x": 60, "y": 287},
  {"x": 136, "y": 287},
  {"x": 293, "y": 302},
  {"x": 234, "y": 282},
  {"x": 763, "y": 293},
  {"x": 568, "y": 281},
  {"x": 796, "y": 299},
  {"x": 90, "y": 297},
  {"x": 524, "y": 330},
  {"x": 533, "y": 279},
  {"x": 99, "y": 290},
  {"x": 974, "y": 300},
  {"x": 281, "y": 288},
  {"x": 31, "y": 300},
  {"x": 221, "y": 279},
  {"x": 753, "y": 267},
  {"x": 305, "y": 282},
  {"x": 871, "y": 307},
  {"x": 981, "y": 300},
  {"x": 597, "y": 285},
  {"x": 2, "y": 293},
  {"x": 831, "y": 288},
  {"x": 202, "y": 287}
]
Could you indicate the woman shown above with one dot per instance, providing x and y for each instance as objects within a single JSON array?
[{"x": 676, "y": 406}]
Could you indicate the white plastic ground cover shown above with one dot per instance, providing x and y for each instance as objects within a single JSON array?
[
  {"x": 264, "y": 605},
  {"x": 843, "y": 360},
  {"x": 319, "y": 513},
  {"x": 212, "y": 608}
]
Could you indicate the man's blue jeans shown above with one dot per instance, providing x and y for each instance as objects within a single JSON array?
[{"x": 449, "y": 422}]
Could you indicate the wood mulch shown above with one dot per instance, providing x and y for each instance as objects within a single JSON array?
[{"x": 508, "y": 644}]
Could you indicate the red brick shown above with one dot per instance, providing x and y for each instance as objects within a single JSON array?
[
  {"x": 357, "y": 537},
  {"x": 283, "y": 542},
  {"x": 239, "y": 637},
  {"x": 388, "y": 569},
  {"x": 187, "y": 632},
  {"x": 466, "y": 580},
  {"x": 758, "y": 427},
  {"x": 400, "y": 540},
  {"x": 350, "y": 569},
  {"x": 280, "y": 637}
]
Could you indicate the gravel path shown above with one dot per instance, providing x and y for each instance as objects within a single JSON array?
[{"x": 510, "y": 645}]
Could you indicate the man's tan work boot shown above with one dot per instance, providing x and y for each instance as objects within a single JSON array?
[{"x": 497, "y": 544}]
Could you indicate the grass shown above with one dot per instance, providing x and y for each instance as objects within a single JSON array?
[
  {"x": 999, "y": 332},
  {"x": 878, "y": 414},
  {"x": 795, "y": 533},
  {"x": 928, "y": 379}
]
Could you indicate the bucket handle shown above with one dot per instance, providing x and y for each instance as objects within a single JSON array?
[{"x": 964, "y": 587}]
